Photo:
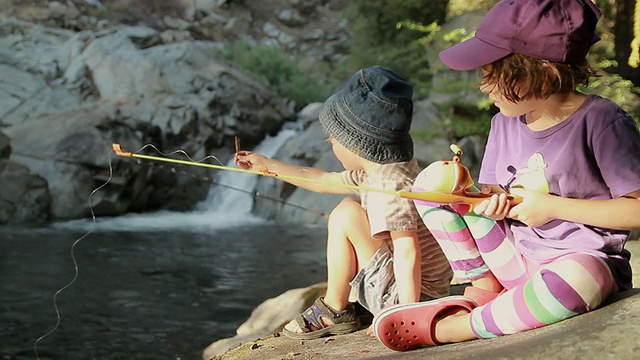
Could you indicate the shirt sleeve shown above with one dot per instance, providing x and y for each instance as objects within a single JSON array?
[
  {"x": 353, "y": 177},
  {"x": 617, "y": 151},
  {"x": 390, "y": 213}
]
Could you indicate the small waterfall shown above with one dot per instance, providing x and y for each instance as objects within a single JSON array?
[
  {"x": 225, "y": 197},
  {"x": 224, "y": 207}
]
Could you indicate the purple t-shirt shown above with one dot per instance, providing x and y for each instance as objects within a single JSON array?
[{"x": 593, "y": 154}]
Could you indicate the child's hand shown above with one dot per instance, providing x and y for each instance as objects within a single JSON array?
[
  {"x": 249, "y": 160},
  {"x": 534, "y": 210},
  {"x": 496, "y": 208}
]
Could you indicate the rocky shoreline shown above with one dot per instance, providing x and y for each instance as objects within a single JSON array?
[
  {"x": 608, "y": 332},
  {"x": 78, "y": 78}
]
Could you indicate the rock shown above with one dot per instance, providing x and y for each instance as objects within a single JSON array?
[
  {"x": 24, "y": 196},
  {"x": 608, "y": 332},
  {"x": 96, "y": 3},
  {"x": 58, "y": 10},
  {"x": 69, "y": 61},
  {"x": 124, "y": 85},
  {"x": 67, "y": 155},
  {"x": 309, "y": 114},
  {"x": 268, "y": 318},
  {"x": 5, "y": 146},
  {"x": 290, "y": 17}
]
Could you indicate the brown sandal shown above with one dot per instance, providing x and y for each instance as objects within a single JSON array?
[{"x": 310, "y": 321}]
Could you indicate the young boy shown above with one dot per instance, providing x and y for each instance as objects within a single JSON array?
[
  {"x": 377, "y": 245},
  {"x": 573, "y": 158}
]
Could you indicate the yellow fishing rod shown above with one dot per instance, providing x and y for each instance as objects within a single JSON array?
[
  {"x": 265, "y": 172},
  {"x": 457, "y": 194}
]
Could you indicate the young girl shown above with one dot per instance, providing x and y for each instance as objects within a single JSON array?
[
  {"x": 377, "y": 245},
  {"x": 574, "y": 159}
]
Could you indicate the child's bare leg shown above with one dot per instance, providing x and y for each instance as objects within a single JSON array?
[
  {"x": 454, "y": 328},
  {"x": 488, "y": 282},
  {"x": 349, "y": 244}
]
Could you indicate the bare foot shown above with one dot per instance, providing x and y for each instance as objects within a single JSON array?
[
  {"x": 370, "y": 331},
  {"x": 454, "y": 327}
]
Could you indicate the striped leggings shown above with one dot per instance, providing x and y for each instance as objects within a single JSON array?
[{"x": 536, "y": 295}]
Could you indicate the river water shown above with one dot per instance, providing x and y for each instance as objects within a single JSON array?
[
  {"x": 149, "y": 286},
  {"x": 145, "y": 294}
]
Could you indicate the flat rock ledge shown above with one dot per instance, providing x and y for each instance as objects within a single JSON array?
[{"x": 610, "y": 332}]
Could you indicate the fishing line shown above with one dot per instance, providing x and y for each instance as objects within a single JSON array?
[
  {"x": 91, "y": 230},
  {"x": 75, "y": 264}
]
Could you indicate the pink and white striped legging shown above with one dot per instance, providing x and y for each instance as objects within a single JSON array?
[{"x": 537, "y": 295}]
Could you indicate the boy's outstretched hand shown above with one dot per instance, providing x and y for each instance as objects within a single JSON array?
[
  {"x": 240, "y": 159},
  {"x": 250, "y": 160}
]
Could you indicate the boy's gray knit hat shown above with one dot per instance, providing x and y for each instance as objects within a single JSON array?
[{"x": 371, "y": 116}]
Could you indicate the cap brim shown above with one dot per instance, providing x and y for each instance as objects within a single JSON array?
[{"x": 472, "y": 54}]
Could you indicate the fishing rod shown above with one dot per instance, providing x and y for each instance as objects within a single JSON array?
[{"x": 457, "y": 194}]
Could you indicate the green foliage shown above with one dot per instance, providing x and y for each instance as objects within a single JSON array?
[
  {"x": 389, "y": 33},
  {"x": 465, "y": 120},
  {"x": 457, "y": 7},
  {"x": 464, "y": 115},
  {"x": 374, "y": 22},
  {"x": 399, "y": 35},
  {"x": 609, "y": 84},
  {"x": 617, "y": 89},
  {"x": 277, "y": 70}
]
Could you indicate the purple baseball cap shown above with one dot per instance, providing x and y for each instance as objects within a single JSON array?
[{"x": 554, "y": 30}]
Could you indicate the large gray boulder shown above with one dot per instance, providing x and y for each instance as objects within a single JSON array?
[
  {"x": 69, "y": 104},
  {"x": 24, "y": 196}
]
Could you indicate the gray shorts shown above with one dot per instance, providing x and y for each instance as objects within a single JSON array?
[{"x": 375, "y": 284}]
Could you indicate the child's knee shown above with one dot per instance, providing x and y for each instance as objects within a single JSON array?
[
  {"x": 346, "y": 212},
  {"x": 583, "y": 281}
]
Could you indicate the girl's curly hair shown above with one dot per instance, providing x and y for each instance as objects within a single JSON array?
[{"x": 520, "y": 77}]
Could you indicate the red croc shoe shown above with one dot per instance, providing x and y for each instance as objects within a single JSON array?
[{"x": 409, "y": 326}]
